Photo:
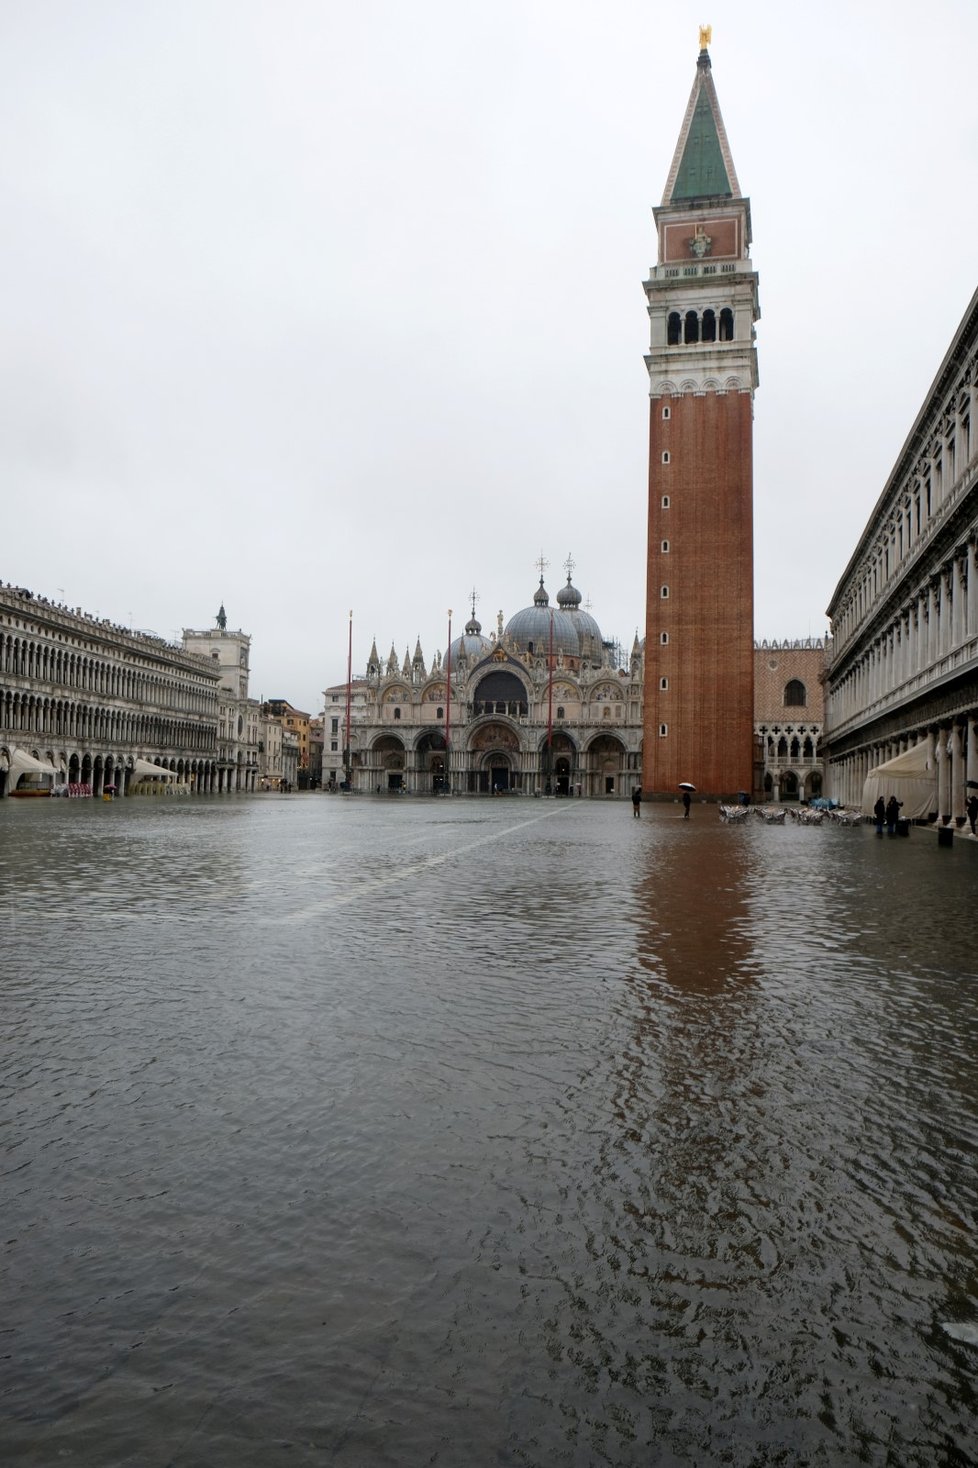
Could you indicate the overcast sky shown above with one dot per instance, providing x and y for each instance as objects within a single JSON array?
[{"x": 311, "y": 306}]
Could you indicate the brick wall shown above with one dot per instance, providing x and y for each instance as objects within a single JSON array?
[
  {"x": 701, "y": 549},
  {"x": 775, "y": 667}
]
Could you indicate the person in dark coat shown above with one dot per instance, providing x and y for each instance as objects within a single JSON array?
[
  {"x": 637, "y": 801},
  {"x": 687, "y": 802},
  {"x": 973, "y": 813},
  {"x": 879, "y": 811},
  {"x": 892, "y": 814}
]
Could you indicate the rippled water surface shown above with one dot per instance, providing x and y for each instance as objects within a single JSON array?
[{"x": 368, "y": 1132}]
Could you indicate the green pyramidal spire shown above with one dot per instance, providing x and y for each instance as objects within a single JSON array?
[
  {"x": 702, "y": 170},
  {"x": 702, "y": 167}
]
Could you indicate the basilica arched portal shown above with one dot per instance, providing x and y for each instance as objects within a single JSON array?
[
  {"x": 558, "y": 763},
  {"x": 494, "y": 759},
  {"x": 605, "y": 765},
  {"x": 430, "y": 756},
  {"x": 387, "y": 763},
  {"x": 500, "y": 692}
]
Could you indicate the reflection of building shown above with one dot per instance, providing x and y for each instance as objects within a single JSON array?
[
  {"x": 238, "y": 715},
  {"x": 903, "y": 669},
  {"x": 703, "y": 302},
  {"x": 87, "y": 703},
  {"x": 788, "y": 716},
  {"x": 542, "y": 705}
]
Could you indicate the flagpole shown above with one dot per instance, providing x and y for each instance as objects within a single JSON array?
[
  {"x": 347, "y": 754},
  {"x": 448, "y": 708},
  {"x": 550, "y": 710}
]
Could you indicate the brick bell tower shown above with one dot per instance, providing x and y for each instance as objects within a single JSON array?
[{"x": 703, "y": 302}]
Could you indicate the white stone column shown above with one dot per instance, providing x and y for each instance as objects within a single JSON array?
[
  {"x": 960, "y": 579},
  {"x": 933, "y": 629},
  {"x": 957, "y": 775},
  {"x": 947, "y": 610},
  {"x": 943, "y": 774},
  {"x": 972, "y": 589},
  {"x": 971, "y": 756}
]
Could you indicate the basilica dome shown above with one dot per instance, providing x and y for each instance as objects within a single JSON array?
[
  {"x": 529, "y": 630},
  {"x": 471, "y": 644},
  {"x": 588, "y": 631}
]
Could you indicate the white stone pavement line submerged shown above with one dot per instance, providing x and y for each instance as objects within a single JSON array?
[{"x": 364, "y": 889}]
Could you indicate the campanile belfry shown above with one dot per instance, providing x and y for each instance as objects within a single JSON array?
[{"x": 703, "y": 302}]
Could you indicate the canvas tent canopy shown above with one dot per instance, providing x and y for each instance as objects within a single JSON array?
[
  {"x": 911, "y": 777},
  {"x": 144, "y": 769},
  {"x": 22, "y": 763}
]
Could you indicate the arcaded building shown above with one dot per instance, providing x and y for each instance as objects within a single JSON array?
[
  {"x": 703, "y": 302},
  {"x": 86, "y": 703},
  {"x": 902, "y": 681}
]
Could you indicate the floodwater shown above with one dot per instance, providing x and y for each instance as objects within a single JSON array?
[{"x": 362, "y": 1132}]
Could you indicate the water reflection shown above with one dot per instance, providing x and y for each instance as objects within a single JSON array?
[
  {"x": 367, "y": 1132},
  {"x": 691, "y": 906}
]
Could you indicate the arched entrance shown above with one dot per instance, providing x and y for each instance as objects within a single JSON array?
[
  {"x": 500, "y": 692},
  {"x": 606, "y": 765},
  {"x": 387, "y": 761},
  {"x": 494, "y": 751},
  {"x": 430, "y": 762},
  {"x": 558, "y": 761}
]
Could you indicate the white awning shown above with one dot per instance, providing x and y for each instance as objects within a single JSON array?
[
  {"x": 144, "y": 769},
  {"x": 911, "y": 777},
  {"x": 22, "y": 763}
]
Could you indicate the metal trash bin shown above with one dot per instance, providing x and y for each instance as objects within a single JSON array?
[
  {"x": 903, "y": 828},
  {"x": 945, "y": 835}
]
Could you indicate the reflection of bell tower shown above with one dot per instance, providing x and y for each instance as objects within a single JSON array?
[{"x": 702, "y": 300}]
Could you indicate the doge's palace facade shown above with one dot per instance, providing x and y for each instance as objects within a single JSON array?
[{"x": 94, "y": 704}]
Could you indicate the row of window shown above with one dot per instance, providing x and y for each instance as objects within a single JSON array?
[
  {"x": 67, "y": 720},
  {"x": 692, "y": 327},
  {"x": 439, "y": 714},
  {"x": 21, "y": 657},
  {"x": 919, "y": 499}
]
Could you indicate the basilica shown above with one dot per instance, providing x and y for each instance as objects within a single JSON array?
[{"x": 543, "y": 705}]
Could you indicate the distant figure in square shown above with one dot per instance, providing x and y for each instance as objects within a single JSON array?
[
  {"x": 892, "y": 814},
  {"x": 973, "y": 813},
  {"x": 879, "y": 811},
  {"x": 687, "y": 802},
  {"x": 637, "y": 801}
]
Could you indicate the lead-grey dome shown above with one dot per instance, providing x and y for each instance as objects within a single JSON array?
[
  {"x": 529, "y": 630},
  {"x": 471, "y": 643}
]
